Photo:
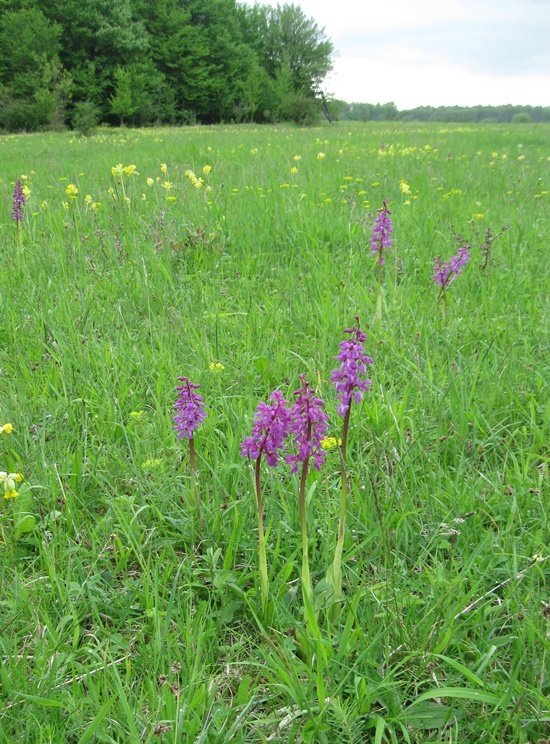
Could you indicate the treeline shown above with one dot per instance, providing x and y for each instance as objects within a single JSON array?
[
  {"x": 484, "y": 114},
  {"x": 79, "y": 62}
]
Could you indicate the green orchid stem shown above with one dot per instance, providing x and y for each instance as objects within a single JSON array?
[
  {"x": 264, "y": 581},
  {"x": 443, "y": 294},
  {"x": 307, "y": 590},
  {"x": 337, "y": 564},
  {"x": 194, "y": 484},
  {"x": 379, "y": 297}
]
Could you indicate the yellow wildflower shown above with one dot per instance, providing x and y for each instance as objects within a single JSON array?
[
  {"x": 117, "y": 170},
  {"x": 96, "y": 205},
  {"x": 150, "y": 182},
  {"x": 7, "y": 428},
  {"x": 216, "y": 367},
  {"x": 9, "y": 480},
  {"x": 130, "y": 170},
  {"x": 297, "y": 157},
  {"x": 330, "y": 443},
  {"x": 206, "y": 169},
  {"x": 321, "y": 155},
  {"x": 294, "y": 170},
  {"x": 150, "y": 464},
  {"x": 478, "y": 216},
  {"x": 167, "y": 185},
  {"x": 163, "y": 167},
  {"x": 65, "y": 205},
  {"x": 404, "y": 187},
  {"x": 87, "y": 199},
  {"x": 71, "y": 191}
]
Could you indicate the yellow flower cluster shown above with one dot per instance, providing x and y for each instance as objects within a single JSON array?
[
  {"x": 330, "y": 443},
  {"x": 71, "y": 191},
  {"x": 151, "y": 464},
  {"x": 7, "y": 428},
  {"x": 216, "y": 367},
  {"x": 9, "y": 480},
  {"x": 197, "y": 182},
  {"x": 119, "y": 170}
]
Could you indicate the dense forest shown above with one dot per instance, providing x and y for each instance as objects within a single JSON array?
[
  {"x": 140, "y": 62},
  {"x": 157, "y": 61}
]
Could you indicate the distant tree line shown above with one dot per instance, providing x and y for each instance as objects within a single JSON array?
[
  {"x": 485, "y": 114},
  {"x": 157, "y": 61}
]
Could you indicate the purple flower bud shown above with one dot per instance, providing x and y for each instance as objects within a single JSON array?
[
  {"x": 189, "y": 409},
  {"x": 308, "y": 424},
  {"x": 269, "y": 431},
  {"x": 349, "y": 385},
  {"x": 18, "y": 202},
  {"x": 381, "y": 233}
]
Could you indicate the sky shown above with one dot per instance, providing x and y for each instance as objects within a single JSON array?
[{"x": 436, "y": 52}]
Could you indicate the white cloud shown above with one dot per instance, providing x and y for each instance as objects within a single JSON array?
[{"x": 437, "y": 52}]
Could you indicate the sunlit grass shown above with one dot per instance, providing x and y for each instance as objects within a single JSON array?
[{"x": 126, "y": 615}]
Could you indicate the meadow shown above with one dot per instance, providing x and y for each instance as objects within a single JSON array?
[{"x": 236, "y": 257}]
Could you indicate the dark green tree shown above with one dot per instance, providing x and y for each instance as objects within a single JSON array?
[{"x": 34, "y": 87}]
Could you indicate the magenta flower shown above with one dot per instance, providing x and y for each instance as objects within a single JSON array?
[
  {"x": 381, "y": 233},
  {"x": 270, "y": 429},
  {"x": 18, "y": 202},
  {"x": 446, "y": 271},
  {"x": 189, "y": 408},
  {"x": 308, "y": 424},
  {"x": 349, "y": 385}
]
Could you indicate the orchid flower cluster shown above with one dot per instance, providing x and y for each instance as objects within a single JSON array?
[
  {"x": 300, "y": 428},
  {"x": 381, "y": 233},
  {"x": 18, "y": 202},
  {"x": 446, "y": 271},
  {"x": 381, "y": 239}
]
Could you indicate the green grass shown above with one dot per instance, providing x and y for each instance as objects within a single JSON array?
[{"x": 126, "y": 617}]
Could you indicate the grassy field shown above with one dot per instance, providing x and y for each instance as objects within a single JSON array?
[{"x": 127, "y": 614}]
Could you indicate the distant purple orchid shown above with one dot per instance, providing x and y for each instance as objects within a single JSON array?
[
  {"x": 189, "y": 408},
  {"x": 18, "y": 202},
  {"x": 270, "y": 429},
  {"x": 308, "y": 424},
  {"x": 446, "y": 271},
  {"x": 349, "y": 386},
  {"x": 381, "y": 233}
]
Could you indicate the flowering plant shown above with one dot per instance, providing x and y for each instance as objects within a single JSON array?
[
  {"x": 349, "y": 387},
  {"x": 381, "y": 238},
  {"x": 189, "y": 415},
  {"x": 270, "y": 429}
]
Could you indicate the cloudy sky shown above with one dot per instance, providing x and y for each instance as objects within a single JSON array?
[{"x": 437, "y": 52}]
